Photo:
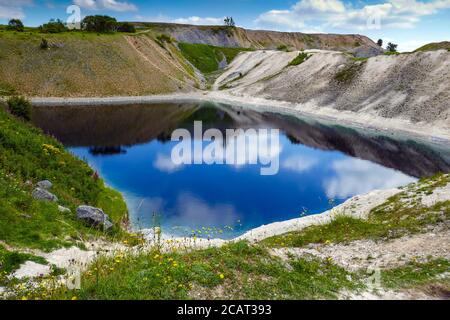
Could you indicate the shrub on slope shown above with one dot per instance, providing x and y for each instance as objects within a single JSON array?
[{"x": 206, "y": 58}]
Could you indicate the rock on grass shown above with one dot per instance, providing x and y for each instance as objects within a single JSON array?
[
  {"x": 42, "y": 194},
  {"x": 94, "y": 217}
]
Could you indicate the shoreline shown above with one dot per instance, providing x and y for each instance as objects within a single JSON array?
[
  {"x": 399, "y": 128},
  {"x": 367, "y": 122},
  {"x": 358, "y": 206}
]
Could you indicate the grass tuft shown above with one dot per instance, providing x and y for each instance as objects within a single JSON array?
[{"x": 302, "y": 57}]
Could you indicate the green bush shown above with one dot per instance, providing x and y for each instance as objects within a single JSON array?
[
  {"x": 392, "y": 47},
  {"x": 125, "y": 27},
  {"x": 164, "y": 38},
  {"x": 15, "y": 25},
  {"x": 283, "y": 47},
  {"x": 302, "y": 57},
  {"x": 53, "y": 26},
  {"x": 20, "y": 107},
  {"x": 99, "y": 24}
]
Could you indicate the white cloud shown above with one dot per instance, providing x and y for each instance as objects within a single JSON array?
[
  {"x": 13, "y": 9},
  {"x": 195, "y": 20},
  {"x": 165, "y": 164},
  {"x": 299, "y": 163},
  {"x": 314, "y": 6},
  {"x": 409, "y": 46},
  {"x": 191, "y": 210},
  {"x": 338, "y": 14},
  {"x": 106, "y": 4},
  {"x": 355, "y": 176},
  {"x": 199, "y": 20},
  {"x": 11, "y": 12},
  {"x": 285, "y": 18}
]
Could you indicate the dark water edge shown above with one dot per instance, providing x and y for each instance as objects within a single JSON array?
[{"x": 111, "y": 127}]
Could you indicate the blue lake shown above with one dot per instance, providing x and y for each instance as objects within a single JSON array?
[{"x": 320, "y": 165}]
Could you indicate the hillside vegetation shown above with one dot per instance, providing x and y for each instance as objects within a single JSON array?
[
  {"x": 89, "y": 64},
  {"x": 26, "y": 157},
  {"x": 158, "y": 59},
  {"x": 207, "y": 58},
  {"x": 444, "y": 45}
]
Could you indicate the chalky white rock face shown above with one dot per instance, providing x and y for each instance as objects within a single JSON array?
[
  {"x": 411, "y": 87},
  {"x": 438, "y": 195},
  {"x": 31, "y": 269}
]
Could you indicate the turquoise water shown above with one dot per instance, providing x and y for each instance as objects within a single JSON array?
[{"x": 320, "y": 166}]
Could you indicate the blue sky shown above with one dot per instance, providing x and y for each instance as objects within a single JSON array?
[{"x": 410, "y": 23}]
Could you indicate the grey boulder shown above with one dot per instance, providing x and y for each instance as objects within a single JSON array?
[
  {"x": 94, "y": 217},
  {"x": 367, "y": 51},
  {"x": 42, "y": 194},
  {"x": 44, "y": 184}
]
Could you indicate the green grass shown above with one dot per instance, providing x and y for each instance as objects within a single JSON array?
[
  {"x": 341, "y": 229},
  {"x": 414, "y": 274},
  {"x": 237, "y": 270},
  {"x": 302, "y": 57},
  {"x": 206, "y": 58},
  {"x": 359, "y": 59},
  {"x": 34, "y": 33},
  {"x": 349, "y": 72},
  {"x": 283, "y": 47},
  {"x": 434, "y": 46},
  {"x": 163, "y": 38},
  {"x": 391, "y": 53},
  {"x": 28, "y": 156},
  {"x": 400, "y": 215}
]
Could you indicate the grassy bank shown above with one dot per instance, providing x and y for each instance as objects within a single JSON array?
[
  {"x": 235, "y": 271},
  {"x": 28, "y": 156},
  {"x": 241, "y": 270},
  {"x": 400, "y": 215}
]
